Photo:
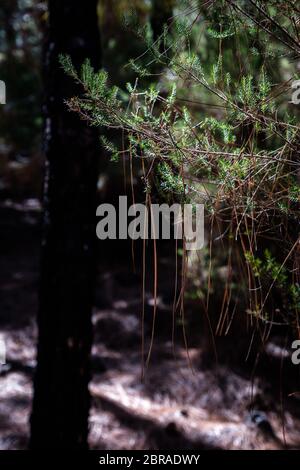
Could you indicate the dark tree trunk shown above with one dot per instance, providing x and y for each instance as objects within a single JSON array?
[{"x": 61, "y": 398}]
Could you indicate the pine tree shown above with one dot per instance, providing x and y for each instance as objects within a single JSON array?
[{"x": 61, "y": 398}]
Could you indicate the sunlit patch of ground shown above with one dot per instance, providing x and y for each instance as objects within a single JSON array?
[
  {"x": 175, "y": 408},
  {"x": 16, "y": 389},
  {"x": 172, "y": 408}
]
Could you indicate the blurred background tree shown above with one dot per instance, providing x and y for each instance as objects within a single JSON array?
[{"x": 20, "y": 119}]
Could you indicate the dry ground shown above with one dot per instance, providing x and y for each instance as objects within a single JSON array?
[{"x": 173, "y": 407}]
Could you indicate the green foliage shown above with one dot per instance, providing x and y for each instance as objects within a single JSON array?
[
  {"x": 264, "y": 88},
  {"x": 169, "y": 182},
  {"x": 268, "y": 268},
  {"x": 111, "y": 148},
  {"x": 246, "y": 92},
  {"x": 216, "y": 127}
]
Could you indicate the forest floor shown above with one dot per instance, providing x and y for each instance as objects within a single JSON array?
[{"x": 174, "y": 407}]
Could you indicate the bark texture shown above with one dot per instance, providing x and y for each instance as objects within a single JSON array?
[{"x": 61, "y": 398}]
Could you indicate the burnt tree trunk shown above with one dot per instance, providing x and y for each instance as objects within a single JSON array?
[{"x": 61, "y": 398}]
